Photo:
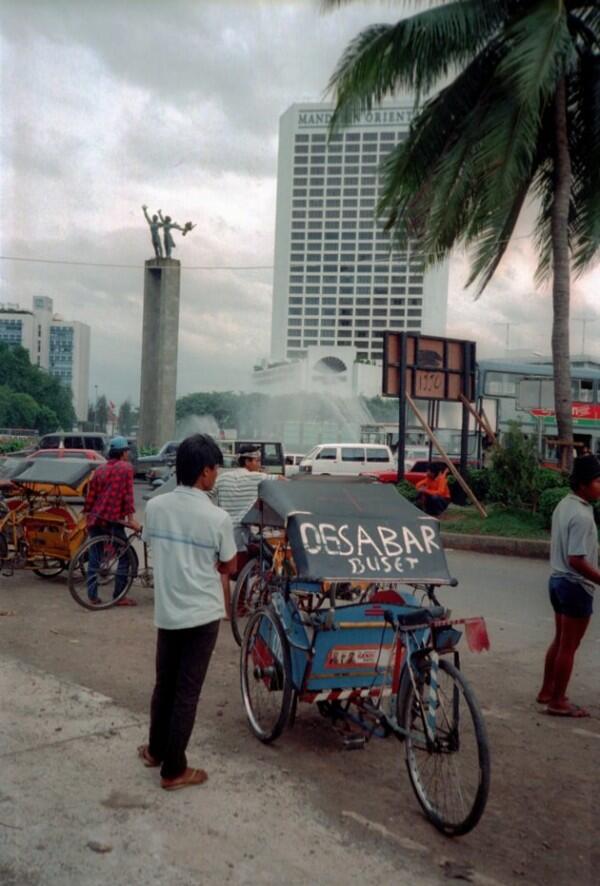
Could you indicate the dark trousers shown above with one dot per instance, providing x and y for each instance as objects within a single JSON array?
[
  {"x": 182, "y": 659},
  {"x": 115, "y": 530}
]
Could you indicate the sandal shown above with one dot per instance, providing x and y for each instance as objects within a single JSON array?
[
  {"x": 189, "y": 778},
  {"x": 571, "y": 710},
  {"x": 125, "y": 601},
  {"x": 144, "y": 754}
]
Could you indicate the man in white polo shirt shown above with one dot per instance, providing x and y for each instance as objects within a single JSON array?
[{"x": 192, "y": 545}]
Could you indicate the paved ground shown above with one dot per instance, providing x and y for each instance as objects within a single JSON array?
[{"x": 74, "y": 694}]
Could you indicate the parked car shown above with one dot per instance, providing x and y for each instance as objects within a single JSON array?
[
  {"x": 347, "y": 459},
  {"x": 84, "y": 440},
  {"x": 292, "y": 463},
  {"x": 153, "y": 467},
  {"x": 89, "y": 454},
  {"x": 413, "y": 454},
  {"x": 271, "y": 453}
]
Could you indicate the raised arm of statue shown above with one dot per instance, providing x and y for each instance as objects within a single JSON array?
[{"x": 154, "y": 232}]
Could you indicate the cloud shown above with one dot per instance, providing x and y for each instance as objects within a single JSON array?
[{"x": 110, "y": 105}]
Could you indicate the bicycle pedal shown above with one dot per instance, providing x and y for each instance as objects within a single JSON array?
[{"x": 354, "y": 742}]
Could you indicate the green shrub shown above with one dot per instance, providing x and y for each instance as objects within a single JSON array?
[
  {"x": 546, "y": 478},
  {"x": 479, "y": 480},
  {"x": 514, "y": 464},
  {"x": 147, "y": 450},
  {"x": 8, "y": 446},
  {"x": 548, "y": 501},
  {"x": 407, "y": 490}
]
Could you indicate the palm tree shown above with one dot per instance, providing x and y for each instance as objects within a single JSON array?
[{"x": 516, "y": 118}]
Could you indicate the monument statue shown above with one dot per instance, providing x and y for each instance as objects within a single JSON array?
[
  {"x": 166, "y": 224},
  {"x": 154, "y": 232}
]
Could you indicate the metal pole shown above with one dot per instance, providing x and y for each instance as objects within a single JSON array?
[{"x": 401, "y": 405}]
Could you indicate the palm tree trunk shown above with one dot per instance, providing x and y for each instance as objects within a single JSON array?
[{"x": 561, "y": 277}]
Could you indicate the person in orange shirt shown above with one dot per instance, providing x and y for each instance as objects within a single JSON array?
[{"x": 434, "y": 494}]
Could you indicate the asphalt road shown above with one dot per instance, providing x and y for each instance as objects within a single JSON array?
[{"x": 539, "y": 826}]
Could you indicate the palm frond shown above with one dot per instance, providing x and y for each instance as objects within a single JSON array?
[
  {"x": 585, "y": 159},
  {"x": 414, "y": 54}
]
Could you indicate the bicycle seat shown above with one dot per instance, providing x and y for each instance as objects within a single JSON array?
[{"x": 420, "y": 616}]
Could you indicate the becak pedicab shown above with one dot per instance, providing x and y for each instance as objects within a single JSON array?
[
  {"x": 389, "y": 665},
  {"x": 40, "y": 529}
]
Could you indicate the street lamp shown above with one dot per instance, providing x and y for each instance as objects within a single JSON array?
[{"x": 96, "y": 409}]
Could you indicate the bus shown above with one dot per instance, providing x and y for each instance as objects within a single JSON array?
[{"x": 524, "y": 392}]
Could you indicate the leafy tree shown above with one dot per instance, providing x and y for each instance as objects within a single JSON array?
[
  {"x": 514, "y": 468},
  {"x": 221, "y": 405},
  {"x": 101, "y": 413},
  {"x": 125, "y": 417},
  {"x": 46, "y": 420},
  {"x": 20, "y": 376},
  {"x": 518, "y": 118},
  {"x": 22, "y": 411}
]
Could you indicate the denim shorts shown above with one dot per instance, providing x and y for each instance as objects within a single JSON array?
[{"x": 570, "y": 598}]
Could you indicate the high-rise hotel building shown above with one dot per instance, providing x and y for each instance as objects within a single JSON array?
[
  {"x": 337, "y": 281},
  {"x": 61, "y": 347}
]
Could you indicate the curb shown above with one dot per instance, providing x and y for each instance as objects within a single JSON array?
[{"x": 497, "y": 544}]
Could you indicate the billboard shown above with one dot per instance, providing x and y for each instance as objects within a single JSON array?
[{"x": 428, "y": 367}]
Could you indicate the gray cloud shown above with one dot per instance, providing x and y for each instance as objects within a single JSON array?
[{"x": 110, "y": 105}]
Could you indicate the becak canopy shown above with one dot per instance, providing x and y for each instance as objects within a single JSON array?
[{"x": 343, "y": 530}]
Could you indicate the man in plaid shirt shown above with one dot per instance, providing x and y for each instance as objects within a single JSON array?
[{"x": 110, "y": 507}]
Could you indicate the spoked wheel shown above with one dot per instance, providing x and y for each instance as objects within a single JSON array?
[
  {"x": 102, "y": 569},
  {"x": 450, "y": 777},
  {"x": 246, "y": 599},
  {"x": 266, "y": 675},
  {"x": 50, "y": 567}
]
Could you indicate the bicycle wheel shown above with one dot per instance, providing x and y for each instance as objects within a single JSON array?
[
  {"x": 266, "y": 675},
  {"x": 450, "y": 777},
  {"x": 50, "y": 567},
  {"x": 245, "y": 599},
  {"x": 111, "y": 573}
]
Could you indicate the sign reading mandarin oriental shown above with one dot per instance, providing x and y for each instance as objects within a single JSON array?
[{"x": 388, "y": 116}]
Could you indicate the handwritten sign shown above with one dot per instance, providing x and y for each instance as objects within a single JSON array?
[{"x": 371, "y": 549}]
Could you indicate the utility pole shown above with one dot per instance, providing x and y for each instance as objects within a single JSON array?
[
  {"x": 507, "y": 325},
  {"x": 96, "y": 409},
  {"x": 584, "y": 322}
]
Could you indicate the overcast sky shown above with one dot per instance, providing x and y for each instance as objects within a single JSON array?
[{"x": 109, "y": 105}]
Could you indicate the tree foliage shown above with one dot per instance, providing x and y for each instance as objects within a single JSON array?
[
  {"x": 125, "y": 420},
  {"x": 29, "y": 396},
  {"x": 517, "y": 117},
  {"x": 514, "y": 467}
]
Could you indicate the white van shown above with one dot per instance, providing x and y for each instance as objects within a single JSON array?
[{"x": 347, "y": 458}]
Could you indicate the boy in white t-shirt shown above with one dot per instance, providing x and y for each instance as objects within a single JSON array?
[{"x": 192, "y": 545}]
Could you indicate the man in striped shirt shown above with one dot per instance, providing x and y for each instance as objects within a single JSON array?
[{"x": 236, "y": 491}]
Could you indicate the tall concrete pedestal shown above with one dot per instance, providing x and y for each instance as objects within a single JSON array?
[{"x": 159, "y": 351}]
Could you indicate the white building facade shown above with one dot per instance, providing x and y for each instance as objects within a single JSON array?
[
  {"x": 61, "y": 347},
  {"x": 337, "y": 281}
]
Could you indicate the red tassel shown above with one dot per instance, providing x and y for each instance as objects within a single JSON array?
[{"x": 477, "y": 635}]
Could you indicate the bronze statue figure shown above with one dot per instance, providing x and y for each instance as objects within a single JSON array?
[{"x": 166, "y": 224}]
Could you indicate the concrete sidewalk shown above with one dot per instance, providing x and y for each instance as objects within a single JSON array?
[{"x": 77, "y": 807}]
